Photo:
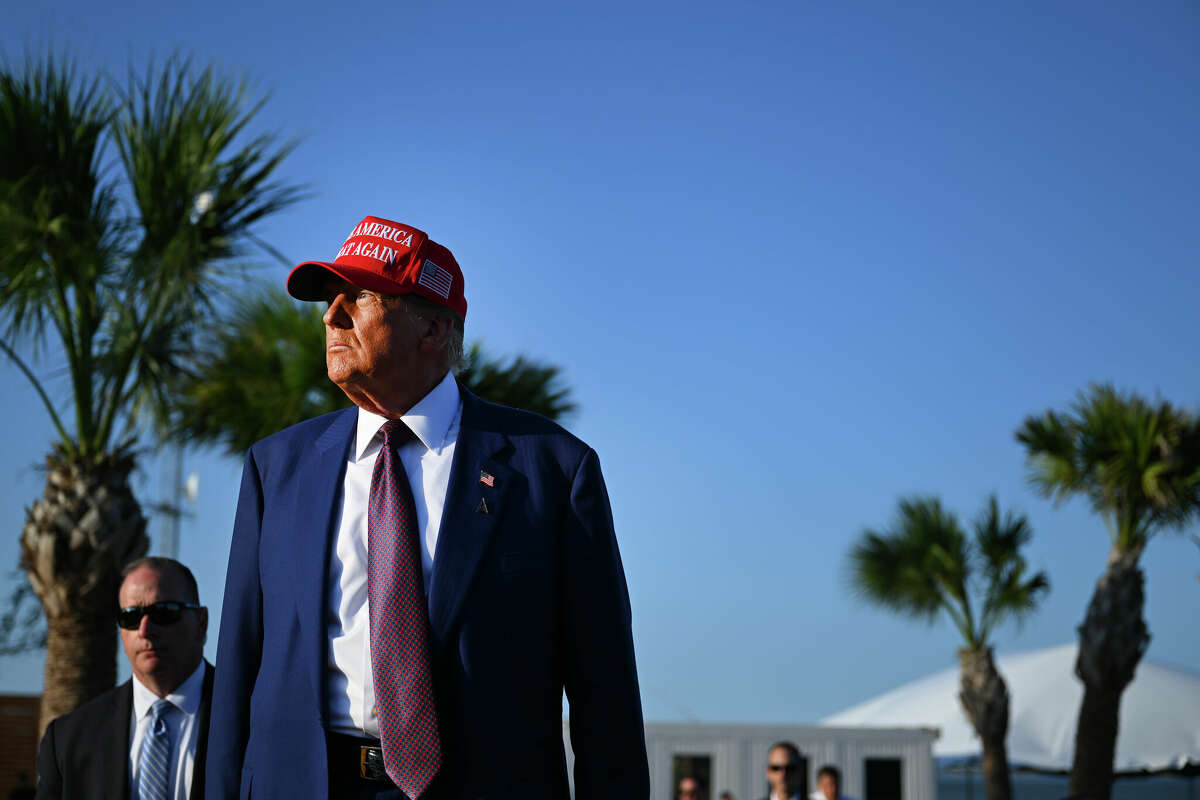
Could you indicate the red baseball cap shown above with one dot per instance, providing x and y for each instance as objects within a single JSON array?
[{"x": 387, "y": 257}]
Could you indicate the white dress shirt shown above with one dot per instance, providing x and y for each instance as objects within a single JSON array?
[
  {"x": 181, "y": 722},
  {"x": 434, "y": 421}
]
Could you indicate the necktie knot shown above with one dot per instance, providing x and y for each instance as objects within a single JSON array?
[
  {"x": 395, "y": 433},
  {"x": 158, "y": 711}
]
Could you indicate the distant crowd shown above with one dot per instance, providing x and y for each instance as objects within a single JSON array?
[{"x": 785, "y": 779}]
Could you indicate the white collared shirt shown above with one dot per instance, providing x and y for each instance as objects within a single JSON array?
[
  {"x": 181, "y": 722},
  {"x": 427, "y": 458}
]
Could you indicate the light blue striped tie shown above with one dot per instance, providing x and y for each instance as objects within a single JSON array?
[{"x": 154, "y": 764}]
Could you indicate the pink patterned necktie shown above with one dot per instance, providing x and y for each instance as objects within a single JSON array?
[{"x": 408, "y": 724}]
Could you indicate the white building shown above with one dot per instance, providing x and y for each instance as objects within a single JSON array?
[{"x": 876, "y": 763}]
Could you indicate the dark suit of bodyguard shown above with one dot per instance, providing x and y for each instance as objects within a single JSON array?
[
  {"x": 97, "y": 750},
  {"x": 526, "y": 593}
]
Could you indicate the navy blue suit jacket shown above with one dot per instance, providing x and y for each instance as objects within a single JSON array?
[{"x": 526, "y": 598}]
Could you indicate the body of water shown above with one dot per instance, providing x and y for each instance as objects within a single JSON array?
[{"x": 1055, "y": 787}]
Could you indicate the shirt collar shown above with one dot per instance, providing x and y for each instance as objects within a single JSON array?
[
  {"x": 429, "y": 419},
  {"x": 186, "y": 696}
]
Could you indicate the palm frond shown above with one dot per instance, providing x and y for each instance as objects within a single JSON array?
[
  {"x": 57, "y": 218},
  {"x": 519, "y": 383},
  {"x": 259, "y": 374},
  {"x": 198, "y": 191},
  {"x": 1009, "y": 593},
  {"x": 1134, "y": 461},
  {"x": 918, "y": 566}
]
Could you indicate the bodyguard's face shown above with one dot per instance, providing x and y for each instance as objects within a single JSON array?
[{"x": 162, "y": 656}]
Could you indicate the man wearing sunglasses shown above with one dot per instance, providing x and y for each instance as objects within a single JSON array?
[
  {"x": 146, "y": 738},
  {"x": 785, "y": 772}
]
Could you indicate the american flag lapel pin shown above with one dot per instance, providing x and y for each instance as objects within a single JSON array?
[{"x": 487, "y": 479}]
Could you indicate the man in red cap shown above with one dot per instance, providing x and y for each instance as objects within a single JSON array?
[{"x": 414, "y": 581}]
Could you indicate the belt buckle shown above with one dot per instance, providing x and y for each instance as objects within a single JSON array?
[{"x": 370, "y": 763}]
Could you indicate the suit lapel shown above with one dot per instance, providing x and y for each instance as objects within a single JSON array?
[
  {"x": 473, "y": 509},
  {"x": 202, "y": 733},
  {"x": 113, "y": 749},
  {"x": 319, "y": 490}
]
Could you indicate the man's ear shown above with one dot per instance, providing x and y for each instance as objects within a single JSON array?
[{"x": 435, "y": 329}]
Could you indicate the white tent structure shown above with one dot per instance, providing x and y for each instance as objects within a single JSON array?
[{"x": 1160, "y": 713}]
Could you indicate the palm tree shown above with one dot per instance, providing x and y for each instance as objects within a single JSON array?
[
  {"x": 924, "y": 565},
  {"x": 1138, "y": 465},
  {"x": 119, "y": 294},
  {"x": 521, "y": 383},
  {"x": 266, "y": 370}
]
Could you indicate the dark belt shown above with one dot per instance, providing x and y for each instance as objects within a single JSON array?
[{"x": 358, "y": 755}]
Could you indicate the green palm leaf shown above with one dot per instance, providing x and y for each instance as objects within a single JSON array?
[{"x": 1135, "y": 462}]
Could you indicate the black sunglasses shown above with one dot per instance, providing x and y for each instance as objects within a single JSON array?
[
  {"x": 783, "y": 767},
  {"x": 164, "y": 612}
]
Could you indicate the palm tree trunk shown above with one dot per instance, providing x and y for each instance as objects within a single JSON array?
[
  {"x": 70, "y": 679},
  {"x": 984, "y": 696},
  {"x": 1112, "y": 640},
  {"x": 77, "y": 537}
]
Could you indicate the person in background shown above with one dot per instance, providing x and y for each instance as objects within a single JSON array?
[
  {"x": 689, "y": 789},
  {"x": 829, "y": 784},
  {"x": 147, "y": 738},
  {"x": 784, "y": 772}
]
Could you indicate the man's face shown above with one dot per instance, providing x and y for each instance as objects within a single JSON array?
[
  {"x": 828, "y": 786},
  {"x": 162, "y": 656},
  {"x": 370, "y": 340},
  {"x": 783, "y": 772},
  {"x": 689, "y": 789}
]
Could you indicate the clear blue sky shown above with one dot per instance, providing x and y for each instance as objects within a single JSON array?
[{"x": 797, "y": 259}]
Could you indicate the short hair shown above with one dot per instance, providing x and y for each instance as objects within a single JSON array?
[
  {"x": 162, "y": 564},
  {"x": 791, "y": 747},
  {"x": 423, "y": 308},
  {"x": 831, "y": 771}
]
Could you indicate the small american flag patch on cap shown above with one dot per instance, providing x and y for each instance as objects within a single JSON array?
[{"x": 435, "y": 278}]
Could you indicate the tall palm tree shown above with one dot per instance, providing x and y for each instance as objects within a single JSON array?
[
  {"x": 119, "y": 292},
  {"x": 265, "y": 371},
  {"x": 924, "y": 565},
  {"x": 1138, "y": 465}
]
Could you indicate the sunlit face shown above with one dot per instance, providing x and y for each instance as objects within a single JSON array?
[
  {"x": 783, "y": 772},
  {"x": 370, "y": 340},
  {"x": 162, "y": 656},
  {"x": 828, "y": 786}
]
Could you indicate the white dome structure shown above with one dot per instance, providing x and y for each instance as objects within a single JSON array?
[{"x": 1159, "y": 723}]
